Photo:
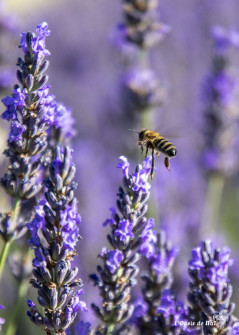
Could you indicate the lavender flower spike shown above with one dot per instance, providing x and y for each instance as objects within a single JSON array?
[
  {"x": 58, "y": 221},
  {"x": 157, "y": 279},
  {"x": 130, "y": 233},
  {"x": 220, "y": 91},
  {"x": 210, "y": 290},
  {"x": 141, "y": 24},
  {"x": 27, "y": 110}
]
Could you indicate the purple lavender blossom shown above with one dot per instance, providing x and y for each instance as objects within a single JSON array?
[
  {"x": 140, "y": 309},
  {"x": 16, "y": 131},
  {"x": 57, "y": 220},
  {"x": 235, "y": 329},
  {"x": 113, "y": 259},
  {"x": 224, "y": 39},
  {"x": 37, "y": 124},
  {"x": 129, "y": 232},
  {"x": 38, "y": 44},
  {"x": 142, "y": 89},
  {"x": 210, "y": 289},
  {"x": 148, "y": 237},
  {"x": 64, "y": 120},
  {"x": 125, "y": 230},
  {"x": 27, "y": 111},
  {"x": 82, "y": 328},
  {"x": 157, "y": 281},
  {"x": 172, "y": 315}
]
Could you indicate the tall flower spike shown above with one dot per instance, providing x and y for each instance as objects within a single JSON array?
[
  {"x": 157, "y": 279},
  {"x": 210, "y": 290},
  {"x": 57, "y": 220},
  {"x": 141, "y": 25},
  {"x": 130, "y": 235},
  {"x": 140, "y": 30},
  {"x": 27, "y": 110},
  {"x": 221, "y": 118}
]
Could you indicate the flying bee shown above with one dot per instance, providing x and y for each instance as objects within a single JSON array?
[{"x": 158, "y": 144}]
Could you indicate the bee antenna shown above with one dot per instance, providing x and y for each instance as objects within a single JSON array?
[{"x": 135, "y": 131}]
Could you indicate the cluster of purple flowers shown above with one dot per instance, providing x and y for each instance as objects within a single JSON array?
[
  {"x": 158, "y": 301},
  {"x": 210, "y": 290},
  {"x": 130, "y": 237},
  {"x": 37, "y": 125},
  {"x": 57, "y": 219}
]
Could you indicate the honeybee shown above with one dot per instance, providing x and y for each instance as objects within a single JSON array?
[{"x": 158, "y": 144}]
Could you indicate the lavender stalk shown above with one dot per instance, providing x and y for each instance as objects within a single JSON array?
[
  {"x": 58, "y": 221},
  {"x": 157, "y": 282},
  {"x": 142, "y": 29},
  {"x": 221, "y": 123},
  {"x": 28, "y": 111},
  {"x": 129, "y": 237},
  {"x": 210, "y": 290}
]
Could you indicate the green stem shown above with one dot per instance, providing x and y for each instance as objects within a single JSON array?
[
  {"x": 3, "y": 256},
  {"x": 6, "y": 246},
  {"x": 211, "y": 210},
  {"x": 147, "y": 118},
  {"x": 110, "y": 328},
  {"x": 16, "y": 209},
  {"x": 143, "y": 58},
  {"x": 22, "y": 292}
]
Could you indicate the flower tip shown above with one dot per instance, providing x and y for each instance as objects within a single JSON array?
[
  {"x": 30, "y": 303},
  {"x": 123, "y": 161},
  {"x": 124, "y": 165},
  {"x": 44, "y": 24}
]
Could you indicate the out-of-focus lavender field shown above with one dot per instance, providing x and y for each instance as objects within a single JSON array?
[{"x": 86, "y": 73}]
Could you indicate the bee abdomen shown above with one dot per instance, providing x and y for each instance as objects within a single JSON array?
[{"x": 166, "y": 147}]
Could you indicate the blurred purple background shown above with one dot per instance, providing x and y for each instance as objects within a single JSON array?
[{"x": 85, "y": 74}]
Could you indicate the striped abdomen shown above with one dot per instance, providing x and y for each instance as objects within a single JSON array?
[{"x": 164, "y": 146}]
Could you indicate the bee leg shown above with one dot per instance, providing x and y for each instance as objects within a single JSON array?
[
  {"x": 152, "y": 165},
  {"x": 166, "y": 163},
  {"x": 142, "y": 149},
  {"x": 157, "y": 154},
  {"x": 147, "y": 149}
]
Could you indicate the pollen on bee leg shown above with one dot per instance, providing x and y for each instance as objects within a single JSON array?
[{"x": 166, "y": 163}]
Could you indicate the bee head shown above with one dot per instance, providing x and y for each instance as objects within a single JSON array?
[{"x": 142, "y": 133}]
